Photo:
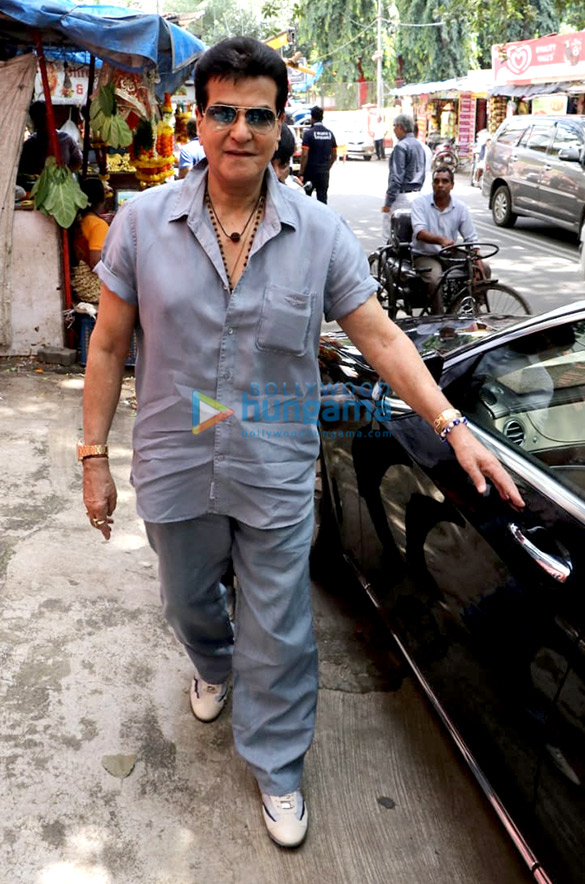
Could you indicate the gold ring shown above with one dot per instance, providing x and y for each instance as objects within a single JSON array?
[{"x": 98, "y": 522}]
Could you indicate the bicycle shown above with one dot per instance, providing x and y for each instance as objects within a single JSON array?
[{"x": 463, "y": 288}]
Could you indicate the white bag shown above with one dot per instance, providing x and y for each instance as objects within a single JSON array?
[{"x": 69, "y": 128}]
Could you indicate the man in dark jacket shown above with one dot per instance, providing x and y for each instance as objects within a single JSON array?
[{"x": 319, "y": 154}]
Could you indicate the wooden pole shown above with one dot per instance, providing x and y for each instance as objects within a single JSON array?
[
  {"x": 56, "y": 151},
  {"x": 86, "y": 132}
]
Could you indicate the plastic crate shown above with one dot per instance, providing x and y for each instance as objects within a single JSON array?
[{"x": 86, "y": 325}]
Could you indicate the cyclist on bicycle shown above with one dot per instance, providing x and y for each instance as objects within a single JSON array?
[{"x": 437, "y": 221}]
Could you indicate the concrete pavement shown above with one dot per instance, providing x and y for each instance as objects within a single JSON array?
[{"x": 91, "y": 677}]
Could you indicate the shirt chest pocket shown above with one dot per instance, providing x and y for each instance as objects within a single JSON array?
[{"x": 285, "y": 320}]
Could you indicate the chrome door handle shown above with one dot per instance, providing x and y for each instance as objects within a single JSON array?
[{"x": 555, "y": 567}]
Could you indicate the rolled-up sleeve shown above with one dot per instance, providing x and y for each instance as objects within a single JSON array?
[
  {"x": 466, "y": 228},
  {"x": 117, "y": 268},
  {"x": 418, "y": 216},
  {"x": 349, "y": 282}
]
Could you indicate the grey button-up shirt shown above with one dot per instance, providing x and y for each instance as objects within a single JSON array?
[
  {"x": 406, "y": 168},
  {"x": 253, "y": 352},
  {"x": 450, "y": 222}
]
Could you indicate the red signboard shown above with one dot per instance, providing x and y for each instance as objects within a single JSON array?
[
  {"x": 556, "y": 57},
  {"x": 467, "y": 106}
]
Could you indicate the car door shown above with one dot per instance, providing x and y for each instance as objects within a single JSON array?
[
  {"x": 562, "y": 184},
  {"x": 527, "y": 162},
  {"x": 479, "y": 594},
  {"x": 560, "y": 796},
  {"x": 346, "y": 386}
]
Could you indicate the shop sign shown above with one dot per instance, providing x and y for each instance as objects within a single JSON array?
[
  {"x": 68, "y": 83},
  {"x": 467, "y": 107},
  {"x": 556, "y": 57},
  {"x": 550, "y": 104}
]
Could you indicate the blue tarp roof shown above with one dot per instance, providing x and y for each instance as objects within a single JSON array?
[{"x": 127, "y": 39}]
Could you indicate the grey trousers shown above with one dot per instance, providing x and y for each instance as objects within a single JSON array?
[{"x": 271, "y": 650}]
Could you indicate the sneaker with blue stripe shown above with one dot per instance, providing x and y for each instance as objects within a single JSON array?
[
  {"x": 286, "y": 818},
  {"x": 207, "y": 700}
]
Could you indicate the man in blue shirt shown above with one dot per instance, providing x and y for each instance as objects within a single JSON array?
[
  {"x": 437, "y": 221},
  {"x": 319, "y": 154},
  {"x": 406, "y": 166},
  {"x": 227, "y": 387},
  {"x": 192, "y": 152}
]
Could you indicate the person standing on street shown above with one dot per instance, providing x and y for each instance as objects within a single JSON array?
[
  {"x": 192, "y": 152},
  {"x": 238, "y": 331},
  {"x": 406, "y": 166},
  {"x": 380, "y": 130},
  {"x": 319, "y": 154}
]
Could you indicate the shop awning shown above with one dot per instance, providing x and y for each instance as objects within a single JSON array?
[
  {"x": 127, "y": 39},
  {"x": 528, "y": 90},
  {"x": 475, "y": 81}
]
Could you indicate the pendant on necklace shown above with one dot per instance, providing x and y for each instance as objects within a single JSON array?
[{"x": 235, "y": 237}]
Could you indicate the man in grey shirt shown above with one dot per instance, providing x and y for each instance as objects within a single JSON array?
[
  {"x": 227, "y": 386},
  {"x": 406, "y": 165},
  {"x": 438, "y": 219}
]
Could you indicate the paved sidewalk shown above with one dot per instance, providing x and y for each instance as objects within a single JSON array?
[{"x": 89, "y": 670}]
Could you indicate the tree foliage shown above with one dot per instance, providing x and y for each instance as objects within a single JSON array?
[{"x": 338, "y": 31}]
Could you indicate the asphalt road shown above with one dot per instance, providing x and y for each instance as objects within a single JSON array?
[{"x": 540, "y": 261}]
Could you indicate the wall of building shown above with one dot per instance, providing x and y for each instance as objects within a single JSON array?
[{"x": 35, "y": 285}]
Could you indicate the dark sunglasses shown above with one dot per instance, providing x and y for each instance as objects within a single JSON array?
[{"x": 258, "y": 118}]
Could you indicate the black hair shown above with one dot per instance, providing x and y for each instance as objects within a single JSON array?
[
  {"x": 286, "y": 146},
  {"x": 236, "y": 59},
  {"x": 446, "y": 169},
  {"x": 191, "y": 128},
  {"x": 38, "y": 115},
  {"x": 94, "y": 190},
  {"x": 317, "y": 113}
]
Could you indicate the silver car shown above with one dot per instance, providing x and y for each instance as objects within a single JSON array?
[
  {"x": 535, "y": 167},
  {"x": 359, "y": 144}
]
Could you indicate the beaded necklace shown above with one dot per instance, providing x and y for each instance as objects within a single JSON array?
[
  {"x": 249, "y": 240},
  {"x": 235, "y": 236}
]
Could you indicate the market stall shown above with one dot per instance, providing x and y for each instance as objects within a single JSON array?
[
  {"x": 144, "y": 50},
  {"x": 544, "y": 75},
  {"x": 454, "y": 108}
]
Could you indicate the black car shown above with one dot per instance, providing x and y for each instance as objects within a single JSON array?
[{"x": 487, "y": 602}]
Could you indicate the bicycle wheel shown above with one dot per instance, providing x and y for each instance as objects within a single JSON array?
[{"x": 491, "y": 298}]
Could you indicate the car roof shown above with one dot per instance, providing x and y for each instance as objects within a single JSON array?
[{"x": 453, "y": 337}]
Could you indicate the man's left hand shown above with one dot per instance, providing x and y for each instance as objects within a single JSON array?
[{"x": 479, "y": 464}]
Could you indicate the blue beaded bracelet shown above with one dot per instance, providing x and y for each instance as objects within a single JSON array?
[{"x": 454, "y": 423}]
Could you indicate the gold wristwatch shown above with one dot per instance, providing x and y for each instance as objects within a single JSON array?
[
  {"x": 84, "y": 451},
  {"x": 444, "y": 418}
]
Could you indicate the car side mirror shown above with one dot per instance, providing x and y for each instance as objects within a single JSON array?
[
  {"x": 569, "y": 154},
  {"x": 434, "y": 362}
]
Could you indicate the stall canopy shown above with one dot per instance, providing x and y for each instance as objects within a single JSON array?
[{"x": 126, "y": 39}]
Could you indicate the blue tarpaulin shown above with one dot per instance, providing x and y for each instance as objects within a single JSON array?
[{"x": 127, "y": 39}]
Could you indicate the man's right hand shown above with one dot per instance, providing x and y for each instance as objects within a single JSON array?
[
  {"x": 385, "y": 208},
  {"x": 99, "y": 493}
]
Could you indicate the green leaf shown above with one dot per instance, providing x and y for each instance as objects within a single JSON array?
[{"x": 107, "y": 99}]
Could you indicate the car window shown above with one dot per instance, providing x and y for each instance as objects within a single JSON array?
[
  {"x": 511, "y": 133},
  {"x": 531, "y": 393},
  {"x": 566, "y": 136},
  {"x": 537, "y": 137}
]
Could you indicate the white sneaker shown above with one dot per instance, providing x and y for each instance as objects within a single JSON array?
[
  {"x": 286, "y": 818},
  {"x": 207, "y": 700}
]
